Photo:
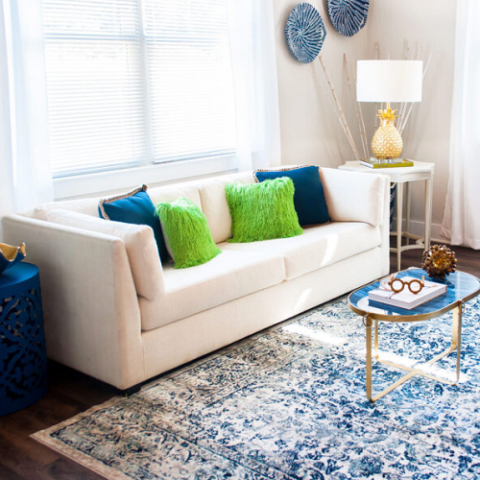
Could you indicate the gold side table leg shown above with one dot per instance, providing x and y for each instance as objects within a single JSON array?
[
  {"x": 377, "y": 355},
  {"x": 367, "y": 321},
  {"x": 457, "y": 336}
]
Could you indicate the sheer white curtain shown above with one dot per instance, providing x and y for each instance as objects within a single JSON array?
[
  {"x": 25, "y": 179},
  {"x": 252, "y": 43},
  {"x": 461, "y": 222}
]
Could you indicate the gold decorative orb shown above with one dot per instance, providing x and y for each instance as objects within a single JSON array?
[
  {"x": 439, "y": 261},
  {"x": 387, "y": 142}
]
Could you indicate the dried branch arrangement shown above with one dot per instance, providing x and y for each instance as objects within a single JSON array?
[
  {"x": 404, "y": 109},
  {"x": 341, "y": 114}
]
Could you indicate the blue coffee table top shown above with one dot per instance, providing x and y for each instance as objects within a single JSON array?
[{"x": 461, "y": 288}]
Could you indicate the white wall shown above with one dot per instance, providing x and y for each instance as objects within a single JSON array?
[
  {"x": 431, "y": 23},
  {"x": 310, "y": 129}
]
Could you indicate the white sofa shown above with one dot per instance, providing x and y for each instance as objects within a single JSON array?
[{"x": 114, "y": 312}]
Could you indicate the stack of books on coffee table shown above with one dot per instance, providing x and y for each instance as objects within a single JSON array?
[{"x": 384, "y": 296}]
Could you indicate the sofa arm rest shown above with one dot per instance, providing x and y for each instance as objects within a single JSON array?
[
  {"x": 139, "y": 241},
  {"x": 92, "y": 317},
  {"x": 355, "y": 197}
]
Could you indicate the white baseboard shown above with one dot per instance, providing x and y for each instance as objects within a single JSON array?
[{"x": 418, "y": 228}]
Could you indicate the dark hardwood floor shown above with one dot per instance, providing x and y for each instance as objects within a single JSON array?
[
  {"x": 468, "y": 260},
  {"x": 71, "y": 392}
]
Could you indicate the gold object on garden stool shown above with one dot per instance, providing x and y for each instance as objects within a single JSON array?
[
  {"x": 387, "y": 142},
  {"x": 439, "y": 261},
  {"x": 10, "y": 255}
]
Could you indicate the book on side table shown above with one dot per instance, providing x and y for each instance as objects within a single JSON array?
[
  {"x": 375, "y": 163},
  {"x": 405, "y": 299}
]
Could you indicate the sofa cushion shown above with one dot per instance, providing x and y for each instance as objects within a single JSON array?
[
  {"x": 215, "y": 206},
  {"x": 186, "y": 233},
  {"x": 262, "y": 211},
  {"x": 228, "y": 276},
  {"x": 135, "y": 207},
  {"x": 309, "y": 198},
  {"x": 170, "y": 193},
  {"x": 316, "y": 248},
  {"x": 139, "y": 242},
  {"x": 354, "y": 196},
  {"x": 87, "y": 206}
]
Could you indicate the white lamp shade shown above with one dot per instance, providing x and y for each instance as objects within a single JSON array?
[{"x": 389, "y": 80}]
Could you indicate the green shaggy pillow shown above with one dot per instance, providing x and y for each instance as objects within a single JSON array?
[
  {"x": 186, "y": 232},
  {"x": 262, "y": 211}
]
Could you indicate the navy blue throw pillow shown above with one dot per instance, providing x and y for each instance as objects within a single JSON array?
[
  {"x": 309, "y": 198},
  {"x": 135, "y": 207}
]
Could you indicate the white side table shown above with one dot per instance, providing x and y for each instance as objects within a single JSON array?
[{"x": 399, "y": 176}]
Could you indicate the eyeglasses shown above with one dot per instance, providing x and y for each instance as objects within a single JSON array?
[{"x": 414, "y": 285}]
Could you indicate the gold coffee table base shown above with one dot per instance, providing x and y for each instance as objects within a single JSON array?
[{"x": 456, "y": 345}]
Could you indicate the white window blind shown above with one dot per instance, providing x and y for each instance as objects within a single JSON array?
[
  {"x": 189, "y": 78},
  {"x": 135, "y": 82}
]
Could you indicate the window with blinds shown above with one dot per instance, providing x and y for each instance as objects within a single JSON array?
[{"x": 136, "y": 82}]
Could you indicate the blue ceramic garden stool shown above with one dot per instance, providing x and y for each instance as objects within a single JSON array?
[{"x": 23, "y": 359}]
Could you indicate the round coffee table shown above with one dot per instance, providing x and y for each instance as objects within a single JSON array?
[{"x": 462, "y": 287}]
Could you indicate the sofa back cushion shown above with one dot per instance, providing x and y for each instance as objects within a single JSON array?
[
  {"x": 215, "y": 206},
  {"x": 170, "y": 193},
  {"x": 354, "y": 196},
  {"x": 208, "y": 194},
  {"x": 87, "y": 206}
]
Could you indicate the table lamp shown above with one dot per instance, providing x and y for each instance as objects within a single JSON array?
[{"x": 388, "y": 81}]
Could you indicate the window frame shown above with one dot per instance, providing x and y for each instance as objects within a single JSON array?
[{"x": 156, "y": 173}]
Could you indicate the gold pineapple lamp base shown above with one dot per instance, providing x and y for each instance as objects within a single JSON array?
[{"x": 387, "y": 143}]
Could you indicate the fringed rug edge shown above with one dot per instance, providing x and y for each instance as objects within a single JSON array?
[{"x": 43, "y": 437}]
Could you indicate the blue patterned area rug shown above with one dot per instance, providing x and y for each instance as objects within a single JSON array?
[{"x": 289, "y": 403}]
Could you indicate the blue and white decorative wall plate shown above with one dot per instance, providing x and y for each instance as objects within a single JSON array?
[
  {"x": 305, "y": 32},
  {"x": 348, "y": 16}
]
